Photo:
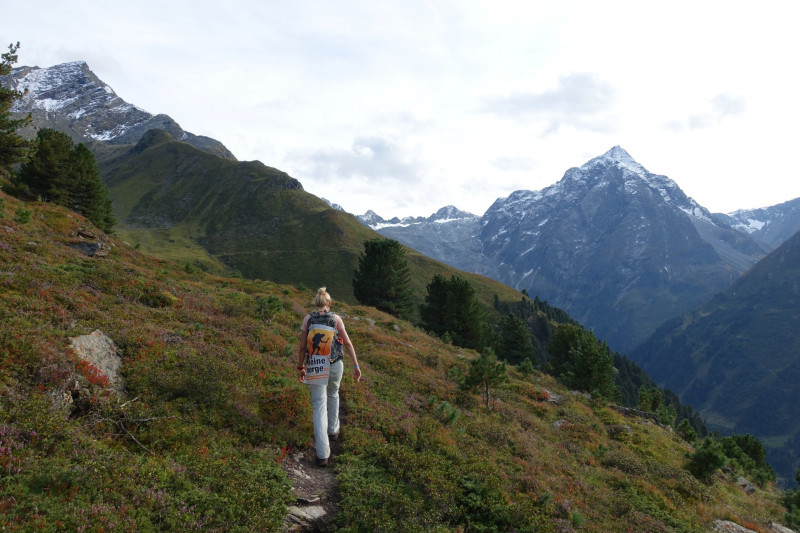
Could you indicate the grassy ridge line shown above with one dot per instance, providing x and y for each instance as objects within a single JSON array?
[
  {"x": 213, "y": 404},
  {"x": 184, "y": 204}
]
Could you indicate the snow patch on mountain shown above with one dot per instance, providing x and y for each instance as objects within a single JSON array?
[
  {"x": 616, "y": 156},
  {"x": 69, "y": 97},
  {"x": 446, "y": 215}
]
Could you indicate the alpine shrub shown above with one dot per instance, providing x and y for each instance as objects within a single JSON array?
[{"x": 707, "y": 459}]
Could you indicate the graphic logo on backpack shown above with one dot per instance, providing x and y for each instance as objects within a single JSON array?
[{"x": 323, "y": 337}]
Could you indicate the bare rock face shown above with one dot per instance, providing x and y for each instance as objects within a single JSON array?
[
  {"x": 746, "y": 486},
  {"x": 102, "y": 357},
  {"x": 726, "y": 526},
  {"x": 90, "y": 244}
]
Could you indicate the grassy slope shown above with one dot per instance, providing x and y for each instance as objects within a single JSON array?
[
  {"x": 212, "y": 405},
  {"x": 186, "y": 205}
]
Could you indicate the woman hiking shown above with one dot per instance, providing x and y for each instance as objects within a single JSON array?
[{"x": 319, "y": 361}]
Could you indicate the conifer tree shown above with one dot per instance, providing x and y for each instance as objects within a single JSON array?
[
  {"x": 383, "y": 278},
  {"x": 582, "y": 362},
  {"x": 67, "y": 175},
  {"x": 484, "y": 373},
  {"x": 13, "y": 148},
  {"x": 89, "y": 194},
  {"x": 515, "y": 340},
  {"x": 46, "y": 174},
  {"x": 432, "y": 312},
  {"x": 452, "y": 308}
]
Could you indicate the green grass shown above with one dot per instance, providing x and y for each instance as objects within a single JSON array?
[
  {"x": 186, "y": 205},
  {"x": 212, "y": 405}
]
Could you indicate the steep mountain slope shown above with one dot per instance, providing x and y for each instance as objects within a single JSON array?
[
  {"x": 770, "y": 225},
  {"x": 194, "y": 207},
  {"x": 735, "y": 358},
  {"x": 209, "y": 408},
  {"x": 69, "y": 97},
  {"x": 255, "y": 219},
  {"x": 617, "y": 247}
]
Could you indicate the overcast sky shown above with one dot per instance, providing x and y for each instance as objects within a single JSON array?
[{"x": 407, "y": 106}]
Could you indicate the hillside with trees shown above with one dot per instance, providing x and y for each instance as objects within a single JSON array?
[
  {"x": 735, "y": 357},
  {"x": 14, "y": 149},
  {"x": 205, "y": 414}
]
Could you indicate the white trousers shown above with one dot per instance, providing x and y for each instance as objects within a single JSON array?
[{"x": 325, "y": 400}]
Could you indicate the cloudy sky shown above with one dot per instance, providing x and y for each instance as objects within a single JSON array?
[{"x": 407, "y": 106}]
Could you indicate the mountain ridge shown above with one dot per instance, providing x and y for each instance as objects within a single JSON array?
[
  {"x": 161, "y": 177},
  {"x": 71, "y": 98},
  {"x": 734, "y": 356},
  {"x": 618, "y": 247}
]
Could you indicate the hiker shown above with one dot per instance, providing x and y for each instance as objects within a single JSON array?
[{"x": 319, "y": 360}]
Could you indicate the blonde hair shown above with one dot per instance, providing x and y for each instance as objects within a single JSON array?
[{"x": 322, "y": 299}]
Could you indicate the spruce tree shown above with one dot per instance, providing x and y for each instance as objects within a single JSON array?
[
  {"x": 383, "y": 278},
  {"x": 13, "y": 148}
]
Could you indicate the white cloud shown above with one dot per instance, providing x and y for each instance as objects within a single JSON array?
[
  {"x": 716, "y": 110},
  {"x": 454, "y": 102},
  {"x": 370, "y": 158},
  {"x": 579, "y": 100}
]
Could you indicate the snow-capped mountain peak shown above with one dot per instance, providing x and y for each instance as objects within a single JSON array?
[
  {"x": 618, "y": 155},
  {"x": 71, "y": 88},
  {"x": 444, "y": 215},
  {"x": 69, "y": 97},
  {"x": 450, "y": 213}
]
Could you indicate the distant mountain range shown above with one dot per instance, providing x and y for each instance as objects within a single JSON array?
[
  {"x": 769, "y": 225},
  {"x": 619, "y": 248}
]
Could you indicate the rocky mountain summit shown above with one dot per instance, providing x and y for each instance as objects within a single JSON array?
[
  {"x": 69, "y": 97},
  {"x": 619, "y": 248},
  {"x": 772, "y": 225}
]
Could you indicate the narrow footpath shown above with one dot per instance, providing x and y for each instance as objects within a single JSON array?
[{"x": 314, "y": 487}]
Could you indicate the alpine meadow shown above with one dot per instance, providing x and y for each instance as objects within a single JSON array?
[{"x": 152, "y": 290}]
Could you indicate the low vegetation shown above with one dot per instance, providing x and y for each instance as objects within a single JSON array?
[{"x": 211, "y": 407}]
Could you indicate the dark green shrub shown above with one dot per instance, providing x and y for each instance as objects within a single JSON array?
[
  {"x": 686, "y": 431},
  {"x": 22, "y": 215},
  {"x": 708, "y": 457},
  {"x": 268, "y": 307}
]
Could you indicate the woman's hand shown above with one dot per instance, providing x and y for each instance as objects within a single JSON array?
[{"x": 302, "y": 371}]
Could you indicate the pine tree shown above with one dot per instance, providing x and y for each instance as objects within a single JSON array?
[
  {"x": 452, "y": 308},
  {"x": 46, "y": 174},
  {"x": 582, "y": 362},
  {"x": 484, "y": 373},
  {"x": 432, "y": 312},
  {"x": 89, "y": 195},
  {"x": 13, "y": 148},
  {"x": 67, "y": 175},
  {"x": 383, "y": 278},
  {"x": 515, "y": 340}
]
